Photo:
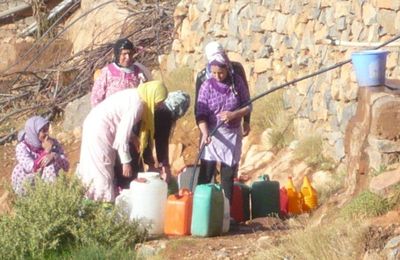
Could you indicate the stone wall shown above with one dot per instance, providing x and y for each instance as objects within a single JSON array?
[{"x": 279, "y": 40}]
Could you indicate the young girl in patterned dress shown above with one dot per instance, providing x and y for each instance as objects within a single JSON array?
[{"x": 37, "y": 154}]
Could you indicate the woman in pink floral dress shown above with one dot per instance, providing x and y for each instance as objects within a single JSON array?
[
  {"x": 123, "y": 73},
  {"x": 37, "y": 154}
]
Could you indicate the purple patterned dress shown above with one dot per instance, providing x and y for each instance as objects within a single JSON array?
[
  {"x": 215, "y": 97},
  {"x": 27, "y": 167}
]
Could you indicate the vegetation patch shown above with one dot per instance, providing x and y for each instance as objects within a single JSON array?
[
  {"x": 56, "y": 218},
  {"x": 330, "y": 188},
  {"x": 338, "y": 240},
  {"x": 269, "y": 112},
  {"x": 366, "y": 204},
  {"x": 310, "y": 150}
]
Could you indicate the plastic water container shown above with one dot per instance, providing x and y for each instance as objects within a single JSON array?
[
  {"x": 226, "y": 222},
  {"x": 145, "y": 201},
  {"x": 240, "y": 206},
  {"x": 124, "y": 201},
  {"x": 186, "y": 178},
  {"x": 370, "y": 67},
  {"x": 284, "y": 201},
  {"x": 294, "y": 198},
  {"x": 208, "y": 210},
  {"x": 310, "y": 195},
  {"x": 178, "y": 213},
  {"x": 264, "y": 197}
]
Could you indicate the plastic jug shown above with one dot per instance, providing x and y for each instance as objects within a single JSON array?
[
  {"x": 124, "y": 201},
  {"x": 294, "y": 198},
  {"x": 226, "y": 222},
  {"x": 148, "y": 197},
  {"x": 208, "y": 210},
  {"x": 178, "y": 213},
  {"x": 310, "y": 195},
  {"x": 240, "y": 206},
  {"x": 264, "y": 197},
  {"x": 283, "y": 202}
]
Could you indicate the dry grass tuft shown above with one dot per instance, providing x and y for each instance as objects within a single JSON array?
[{"x": 338, "y": 240}]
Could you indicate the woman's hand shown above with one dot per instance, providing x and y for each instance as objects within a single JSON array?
[
  {"x": 47, "y": 159},
  {"x": 226, "y": 116},
  {"x": 166, "y": 173},
  {"x": 205, "y": 139},
  {"x": 135, "y": 142},
  {"x": 48, "y": 143},
  {"x": 126, "y": 170}
]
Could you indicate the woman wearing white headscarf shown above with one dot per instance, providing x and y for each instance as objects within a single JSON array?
[
  {"x": 234, "y": 68},
  {"x": 220, "y": 101}
]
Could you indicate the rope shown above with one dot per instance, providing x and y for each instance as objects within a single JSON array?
[{"x": 275, "y": 89}]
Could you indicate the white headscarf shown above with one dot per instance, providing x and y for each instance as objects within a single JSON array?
[{"x": 213, "y": 48}]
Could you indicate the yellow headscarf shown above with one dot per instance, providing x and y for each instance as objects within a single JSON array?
[{"x": 151, "y": 93}]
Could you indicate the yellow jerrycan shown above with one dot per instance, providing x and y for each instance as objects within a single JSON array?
[
  {"x": 294, "y": 198},
  {"x": 310, "y": 195}
]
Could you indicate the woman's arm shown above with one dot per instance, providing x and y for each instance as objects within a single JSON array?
[
  {"x": 205, "y": 138},
  {"x": 99, "y": 88},
  {"x": 24, "y": 157}
]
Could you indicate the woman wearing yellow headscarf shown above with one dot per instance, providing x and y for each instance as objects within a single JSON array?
[{"x": 107, "y": 131}]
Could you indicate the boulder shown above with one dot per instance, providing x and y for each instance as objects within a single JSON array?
[{"x": 75, "y": 112}]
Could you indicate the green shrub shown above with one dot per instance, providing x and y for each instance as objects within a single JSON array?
[
  {"x": 366, "y": 204},
  {"x": 93, "y": 252},
  {"x": 53, "y": 217},
  {"x": 310, "y": 150}
]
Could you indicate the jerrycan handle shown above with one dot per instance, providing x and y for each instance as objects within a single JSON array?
[
  {"x": 264, "y": 177},
  {"x": 183, "y": 192}
]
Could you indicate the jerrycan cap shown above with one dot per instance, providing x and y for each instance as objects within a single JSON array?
[{"x": 148, "y": 175}]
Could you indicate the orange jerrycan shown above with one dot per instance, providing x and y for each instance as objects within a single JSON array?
[
  {"x": 310, "y": 195},
  {"x": 294, "y": 198},
  {"x": 178, "y": 213}
]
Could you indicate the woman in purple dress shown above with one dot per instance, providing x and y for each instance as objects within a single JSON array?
[
  {"x": 218, "y": 101},
  {"x": 37, "y": 154}
]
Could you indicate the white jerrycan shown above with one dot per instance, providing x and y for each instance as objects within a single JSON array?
[{"x": 148, "y": 198}]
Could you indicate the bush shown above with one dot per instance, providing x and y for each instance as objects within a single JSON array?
[
  {"x": 310, "y": 150},
  {"x": 54, "y": 217},
  {"x": 366, "y": 204}
]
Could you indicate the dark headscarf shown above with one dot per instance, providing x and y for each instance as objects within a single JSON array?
[{"x": 122, "y": 44}]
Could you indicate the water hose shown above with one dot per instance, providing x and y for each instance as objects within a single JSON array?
[{"x": 275, "y": 89}]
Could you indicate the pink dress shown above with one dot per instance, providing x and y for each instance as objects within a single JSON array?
[
  {"x": 113, "y": 79},
  {"x": 106, "y": 130},
  {"x": 27, "y": 166}
]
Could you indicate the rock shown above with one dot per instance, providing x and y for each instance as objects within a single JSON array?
[
  {"x": 369, "y": 14},
  {"x": 382, "y": 183},
  {"x": 75, "y": 112},
  {"x": 322, "y": 180}
]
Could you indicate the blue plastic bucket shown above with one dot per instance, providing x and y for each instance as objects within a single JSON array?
[{"x": 370, "y": 67}]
